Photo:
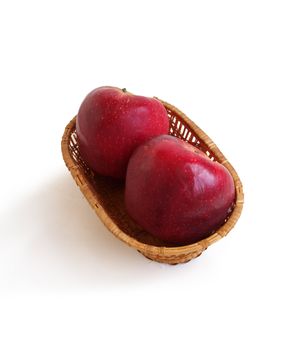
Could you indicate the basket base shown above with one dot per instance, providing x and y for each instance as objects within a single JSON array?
[{"x": 173, "y": 259}]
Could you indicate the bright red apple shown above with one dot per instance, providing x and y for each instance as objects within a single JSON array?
[
  {"x": 111, "y": 123},
  {"x": 175, "y": 192}
]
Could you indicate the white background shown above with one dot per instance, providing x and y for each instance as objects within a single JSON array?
[{"x": 234, "y": 67}]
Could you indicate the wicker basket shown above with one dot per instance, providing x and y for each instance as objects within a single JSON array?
[{"x": 106, "y": 195}]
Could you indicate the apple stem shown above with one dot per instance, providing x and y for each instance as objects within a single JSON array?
[{"x": 124, "y": 90}]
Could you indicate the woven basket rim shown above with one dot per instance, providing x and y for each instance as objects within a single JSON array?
[{"x": 90, "y": 195}]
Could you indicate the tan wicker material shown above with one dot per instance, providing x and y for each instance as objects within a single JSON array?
[{"x": 106, "y": 195}]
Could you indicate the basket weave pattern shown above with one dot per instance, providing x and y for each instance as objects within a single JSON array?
[{"x": 106, "y": 195}]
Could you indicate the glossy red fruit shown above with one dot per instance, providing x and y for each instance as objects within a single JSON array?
[
  {"x": 175, "y": 192},
  {"x": 111, "y": 123}
]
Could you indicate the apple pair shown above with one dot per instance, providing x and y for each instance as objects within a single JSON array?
[{"x": 172, "y": 189}]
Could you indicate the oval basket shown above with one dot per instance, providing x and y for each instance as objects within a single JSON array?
[{"x": 106, "y": 195}]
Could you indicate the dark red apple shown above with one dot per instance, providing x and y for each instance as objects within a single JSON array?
[
  {"x": 175, "y": 192},
  {"x": 111, "y": 123}
]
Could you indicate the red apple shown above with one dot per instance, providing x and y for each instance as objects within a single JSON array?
[
  {"x": 111, "y": 123},
  {"x": 175, "y": 192}
]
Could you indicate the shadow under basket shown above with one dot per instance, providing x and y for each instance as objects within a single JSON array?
[{"x": 106, "y": 195}]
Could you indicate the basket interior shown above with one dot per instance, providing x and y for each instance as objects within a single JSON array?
[{"x": 110, "y": 192}]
